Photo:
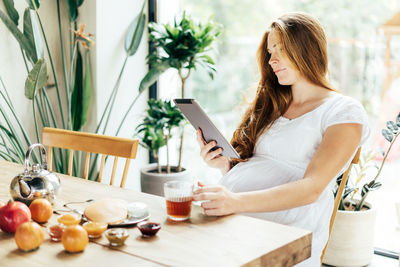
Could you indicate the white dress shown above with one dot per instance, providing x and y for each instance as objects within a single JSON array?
[{"x": 281, "y": 156}]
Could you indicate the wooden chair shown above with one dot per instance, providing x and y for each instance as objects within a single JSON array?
[
  {"x": 339, "y": 194},
  {"x": 91, "y": 143}
]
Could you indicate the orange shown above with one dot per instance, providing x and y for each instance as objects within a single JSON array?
[
  {"x": 41, "y": 210},
  {"x": 74, "y": 238},
  {"x": 29, "y": 236}
]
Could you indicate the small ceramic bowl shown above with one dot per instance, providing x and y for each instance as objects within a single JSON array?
[
  {"x": 55, "y": 232},
  {"x": 116, "y": 236},
  {"x": 148, "y": 228},
  {"x": 95, "y": 229},
  {"x": 69, "y": 219}
]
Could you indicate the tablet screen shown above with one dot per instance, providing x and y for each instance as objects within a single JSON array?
[{"x": 199, "y": 119}]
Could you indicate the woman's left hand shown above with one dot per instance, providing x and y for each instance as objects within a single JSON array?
[{"x": 221, "y": 201}]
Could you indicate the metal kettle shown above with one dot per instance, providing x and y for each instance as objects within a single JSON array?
[{"x": 37, "y": 182}]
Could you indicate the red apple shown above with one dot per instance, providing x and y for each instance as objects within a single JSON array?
[{"x": 12, "y": 215}]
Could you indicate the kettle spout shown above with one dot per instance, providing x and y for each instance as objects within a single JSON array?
[{"x": 24, "y": 188}]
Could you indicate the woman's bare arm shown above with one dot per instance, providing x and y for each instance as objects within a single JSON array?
[{"x": 337, "y": 146}]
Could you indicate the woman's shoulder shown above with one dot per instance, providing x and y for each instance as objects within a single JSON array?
[
  {"x": 344, "y": 109},
  {"x": 338, "y": 96},
  {"x": 342, "y": 103}
]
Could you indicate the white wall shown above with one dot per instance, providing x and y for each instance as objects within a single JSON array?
[
  {"x": 112, "y": 22},
  {"x": 108, "y": 21}
]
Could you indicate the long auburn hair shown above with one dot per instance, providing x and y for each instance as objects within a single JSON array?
[{"x": 304, "y": 44}]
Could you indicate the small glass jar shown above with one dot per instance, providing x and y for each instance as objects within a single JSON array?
[
  {"x": 69, "y": 219},
  {"x": 55, "y": 232},
  {"x": 116, "y": 236},
  {"x": 95, "y": 229},
  {"x": 148, "y": 229}
]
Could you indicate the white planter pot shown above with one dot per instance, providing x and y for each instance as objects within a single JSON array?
[
  {"x": 352, "y": 238},
  {"x": 153, "y": 182}
]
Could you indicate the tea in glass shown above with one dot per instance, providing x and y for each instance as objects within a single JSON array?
[{"x": 178, "y": 197}]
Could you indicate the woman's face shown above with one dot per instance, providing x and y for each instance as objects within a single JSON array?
[{"x": 285, "y": 71}]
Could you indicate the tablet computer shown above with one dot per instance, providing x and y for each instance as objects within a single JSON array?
[{"x": 199, "y": 119}]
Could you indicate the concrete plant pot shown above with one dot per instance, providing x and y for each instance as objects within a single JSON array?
[
  {"x": 152, "y": 182},
  {"x": 352, "y": 238}
]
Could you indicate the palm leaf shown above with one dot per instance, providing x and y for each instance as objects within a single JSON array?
[
  {"x": 152, "y": 76},
  {"x": 76, "y": 104},
  {"x": 87, "y": 87},
  {"x": 33, "y": 4},
  {"x": 183, "y": 45},
  {"x": 36, "y": 79},
  {"x": 73, "y": 6},
  {"x": 135, "y": 33},
  {"x": 82, "y": 92},
  {"x": 13, "y": 140},
  {"x": 22, "y": 40},
  {"x": 11, "y": 11},
  {"x": 32, "y": 33}
]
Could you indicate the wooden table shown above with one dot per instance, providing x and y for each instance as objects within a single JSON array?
[{"x": 201, "y": 241}]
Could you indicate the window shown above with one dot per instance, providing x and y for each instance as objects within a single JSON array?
[{"x": 356, "y": 54}]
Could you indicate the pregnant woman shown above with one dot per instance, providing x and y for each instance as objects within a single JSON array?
[{"x": 296, "y": 137}]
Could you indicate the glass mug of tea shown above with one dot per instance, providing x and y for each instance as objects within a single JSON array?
[{"x": 178, "y": 196}]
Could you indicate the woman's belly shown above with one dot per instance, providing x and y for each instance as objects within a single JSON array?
[{"x": 262, "y": 173}]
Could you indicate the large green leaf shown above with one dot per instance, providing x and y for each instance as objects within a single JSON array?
[
  {"x": 82, "y": 92},
  {"x": 22, "y": 40},
  {"x": 36, "y": 79},
  {"x": 33, "y": 4},
  {"x": 135, "y": 33},
  {"x": 73, "y": 6},
  {"x": 11, "y": 11},
  {"x": 76, "y": 106},
  {"x": 32, "y": 33},
  {"x": 87, "y": 88},
  {"x": 152, "y": 76}
]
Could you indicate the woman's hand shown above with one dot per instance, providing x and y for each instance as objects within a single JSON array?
[
  {"x": 213, "y": 158},
  {"x": 221, "y": 201}
]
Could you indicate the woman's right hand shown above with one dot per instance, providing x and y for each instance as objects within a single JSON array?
[{"x": 213, "y": 158}]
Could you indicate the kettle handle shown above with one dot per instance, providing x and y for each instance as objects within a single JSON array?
[{"x": 28, "y": 155}]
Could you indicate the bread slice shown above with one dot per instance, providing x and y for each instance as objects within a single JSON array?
[{"x": 107, "y": 210}]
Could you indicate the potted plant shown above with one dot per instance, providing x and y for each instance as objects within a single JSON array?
[
  {"x": 155, "y": 133},
  {"x": 352, "y": 237},
  {"x": 183, "y": 46},
  {"x": 68, "y": 108}
]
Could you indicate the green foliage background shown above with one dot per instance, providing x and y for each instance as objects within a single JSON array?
[{"x": 355, "y": 68}]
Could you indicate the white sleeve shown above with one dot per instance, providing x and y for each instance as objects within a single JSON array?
[{"x": 348, "y": 110}]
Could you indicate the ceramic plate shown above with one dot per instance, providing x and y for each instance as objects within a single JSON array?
[
  {"x": 133, "y": 217},
  {"x": 137, "y": 212}
]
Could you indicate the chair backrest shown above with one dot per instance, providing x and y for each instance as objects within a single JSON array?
[
  {"x": 91, "y": 143},
  {"x": 339, "y": 194}
]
